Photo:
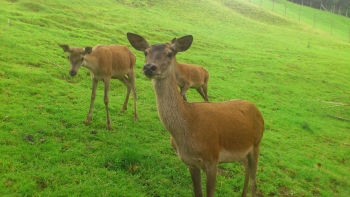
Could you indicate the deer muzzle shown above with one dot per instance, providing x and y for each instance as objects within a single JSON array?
[
  {"x": 149, "y": 70},
  {"x": 72, "y": 73}
]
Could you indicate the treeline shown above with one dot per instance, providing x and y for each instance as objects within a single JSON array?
[{"x": 340, "y": 7}]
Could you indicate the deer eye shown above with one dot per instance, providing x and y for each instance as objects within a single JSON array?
[
  {"x": 170, "y": 54},
  {"x": 145, "y": 52}
]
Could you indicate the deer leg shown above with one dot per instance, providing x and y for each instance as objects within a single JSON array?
[
  {"x": 106, "y": 100},
  {"x": 253, "y": 166},
  {"x": 183, "y": 91},
  {"x": 211, "y": 172},
  {"x": 246, "y": 177},
  {"x": 200, "y": 91},
  {"x": 125, "y": 81},
  {"x": 93, "y": 96},
  {"x": 183, "y": 97},
  {"x": 196, "y": 180},
  {"x": 205, "y": 91},
  {"x": 131, "y": 76}
]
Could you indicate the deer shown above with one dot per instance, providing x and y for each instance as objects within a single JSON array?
[
  {"x": 192, "y": 76},
  {"x": 105, "y": 62},
  {"x": 202, "y": 134}
]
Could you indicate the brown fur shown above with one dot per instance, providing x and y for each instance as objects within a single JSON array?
[
  {"x": 105, "y": 62},
  {"x": 203, "y": 134},
  {"x": 192, "y": 76}
]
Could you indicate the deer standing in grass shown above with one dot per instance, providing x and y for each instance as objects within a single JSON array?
[
  {"x": 203, "y": 134},
  {"x": 191, "y": 76},
  {"x": 105, "y": 62}
]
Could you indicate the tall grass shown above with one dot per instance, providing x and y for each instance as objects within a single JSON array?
[{"x": 284, "y": 66}]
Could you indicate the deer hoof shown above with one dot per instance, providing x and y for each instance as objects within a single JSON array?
[{"x": 87, "y": 122}]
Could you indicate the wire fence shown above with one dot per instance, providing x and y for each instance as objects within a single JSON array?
[{"x": 330, "y": 21}]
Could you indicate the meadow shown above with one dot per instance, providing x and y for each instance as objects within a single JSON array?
[
  {"x": 334, "y": 24},
  {"x": 293, "y": 72}
]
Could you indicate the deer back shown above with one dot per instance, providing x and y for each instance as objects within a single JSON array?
[
  {"x": 110, "y": 60},
  {"x": 191, "y": 74}
]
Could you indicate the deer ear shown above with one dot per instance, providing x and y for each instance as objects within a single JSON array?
[
  {"x": 138, "y": 42},
  {"x": 87, "y": 50},
  {"x": 65, "y": 47},
  {"x": 173, "y": 40},
  {"x": 182, "y": 44}
]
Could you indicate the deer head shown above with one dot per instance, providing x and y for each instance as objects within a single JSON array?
[
  {"x": 161, "y": 55},
  {"x": 75, "y": 57}
]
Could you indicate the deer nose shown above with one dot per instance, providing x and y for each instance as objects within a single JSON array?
[
  {"x": 148, "y": 69},
  {"x": 72, "y": 73}
]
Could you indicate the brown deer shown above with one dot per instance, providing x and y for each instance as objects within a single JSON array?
[
  {"x": 105, "y": 62},
  {"x": 203, "y": 134},
  {"x": 192, "y": 76}
]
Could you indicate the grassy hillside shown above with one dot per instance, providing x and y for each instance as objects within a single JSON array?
[
  {"x": 284, "y": 66},
  {"x": 333, "y": 24}
]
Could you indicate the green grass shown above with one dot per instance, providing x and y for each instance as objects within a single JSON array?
[
  {"x": 282, "y": 65},
  {"x": 333, "y": 24}
]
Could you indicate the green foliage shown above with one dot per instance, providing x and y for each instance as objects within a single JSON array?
[{"x": 284, "y": 66}]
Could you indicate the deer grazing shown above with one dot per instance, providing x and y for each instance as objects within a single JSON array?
[
  {"x": 203, "y": 134},
  {"x": 105, "y": 62},
  {"x": 192, "y": 76}
]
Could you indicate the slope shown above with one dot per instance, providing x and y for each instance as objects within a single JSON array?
[{"x": 280, "y": 64}]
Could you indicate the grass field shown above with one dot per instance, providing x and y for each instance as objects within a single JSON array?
[
  {"x": 333, "y": 24},
  {"x": 285, "y": 66}
]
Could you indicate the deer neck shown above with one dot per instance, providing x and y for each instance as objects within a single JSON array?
[
  {"x": 87, "y": 63},
  {"x": 170, "y": 105},
  {"x": 176, "y": 67}
]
